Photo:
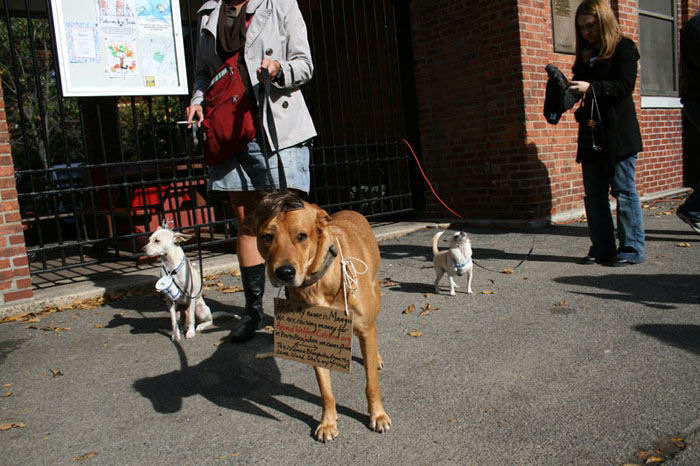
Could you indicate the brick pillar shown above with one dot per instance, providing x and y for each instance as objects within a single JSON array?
[{"x": 15, "y": 281}]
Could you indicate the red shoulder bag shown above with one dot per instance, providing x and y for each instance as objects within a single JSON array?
[{"x": 229, "y": 123}]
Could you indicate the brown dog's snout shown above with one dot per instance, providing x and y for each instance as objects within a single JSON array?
[{"x": 285, "y": 273}]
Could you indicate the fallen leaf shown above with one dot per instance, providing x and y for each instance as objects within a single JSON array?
[
  {"x": 683, "y": 245},
  {"x": 9, "y": 394},
  {"x": 415, "y": 333},
  {"x": 231, "y": 289},
  {"x": 7, "y": 385},
  {"x": 12, "y": 425},
  {"x": 428, "y": 295},
  {"x": 99, "y": 326},
  {"x": 56, "y": 372},
  {"x": 386, "y": 282},
  {"x": 508, "y": 271},
  {"x": 218, "y": 343},
  {"x": 269, "y": 328},
  {"x": 409, "y": 309},
  {"x": 488, "y": 292},
  {"x": 86, "y": 456},
  {"x": 653, "y": 459},
  {"x": 679, "y": 442},
  {"x": 560, "y": 303},
  {"x": 33, "y": 320},
  {"x": 427, "y": 309},
  {"x": 452, "y": 421},
  {"x": 264, "y": 355}
]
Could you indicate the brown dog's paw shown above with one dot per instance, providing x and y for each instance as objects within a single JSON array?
[
  {"x": 380, "y": 423},
  {"x": 380, "y": 362},
  {"x": 326, "y": 431}
]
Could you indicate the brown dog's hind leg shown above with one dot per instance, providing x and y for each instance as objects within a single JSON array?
[
  {"x": 327, "y": 430},
  {"x": 379, "y": 420}
]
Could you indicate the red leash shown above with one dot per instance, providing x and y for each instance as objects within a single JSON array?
[{"x": 430, "y": 185}]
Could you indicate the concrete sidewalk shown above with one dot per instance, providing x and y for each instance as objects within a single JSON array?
[{"x": 552, "y": 363}]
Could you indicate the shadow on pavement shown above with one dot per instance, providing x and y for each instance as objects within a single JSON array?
[
  {"x": 686, "y": 337},
  {"x": 655, "y": 291},
  {"x": 230, "y": 378}
]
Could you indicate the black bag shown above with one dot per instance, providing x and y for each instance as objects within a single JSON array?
[{"x": 591, "y": 134}]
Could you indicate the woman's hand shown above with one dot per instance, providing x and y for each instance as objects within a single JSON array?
[
  {"x": 273, "y": 67},
  {"x": 192, "y": 111},
  {"x": 579, "y": 87}
]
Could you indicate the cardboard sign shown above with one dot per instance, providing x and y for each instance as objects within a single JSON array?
[{"x": 316, "y": 335}]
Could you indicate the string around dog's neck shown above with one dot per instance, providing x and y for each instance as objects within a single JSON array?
[{"x": 317, "y": 275}]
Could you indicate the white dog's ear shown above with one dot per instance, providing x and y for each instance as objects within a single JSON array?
[{"x": 181, "y": 238}]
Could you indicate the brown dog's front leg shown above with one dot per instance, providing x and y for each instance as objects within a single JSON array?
[
  {"x": 379, "y": 420},
  {"x": 327, "y": 430}
]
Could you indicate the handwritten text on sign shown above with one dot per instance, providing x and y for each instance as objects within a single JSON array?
[{"x": 316, "y": 335}]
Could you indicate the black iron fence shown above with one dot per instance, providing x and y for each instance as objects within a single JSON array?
[{"x": 95, "y": 175}]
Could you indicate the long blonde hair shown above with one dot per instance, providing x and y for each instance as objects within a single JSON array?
[{"x": 608, "y": 27}]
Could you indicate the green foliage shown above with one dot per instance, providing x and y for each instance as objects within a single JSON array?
[{"x": 44, "y": 128}]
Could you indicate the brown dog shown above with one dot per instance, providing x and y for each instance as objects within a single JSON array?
[{"x": 298, "y": 241}]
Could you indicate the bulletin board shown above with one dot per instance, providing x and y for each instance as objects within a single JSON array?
[
  {"x": 563, "y": 25},
  {"x": 119, "y": 47}
]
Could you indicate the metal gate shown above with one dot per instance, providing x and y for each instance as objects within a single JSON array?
[{"x": 95, "y": 175}]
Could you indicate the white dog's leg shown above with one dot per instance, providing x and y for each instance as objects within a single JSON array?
[
  {"x": 189, "y": 320},
  {"x": 469, "y": 282},
  {"x": 452, "y": 286},
  {"x": 203, "y": 314},
  {"x": 173, "y": 320},
  {"x": 437, "y": 280}
]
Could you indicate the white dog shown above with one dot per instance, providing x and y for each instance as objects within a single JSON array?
[
  {"x": 454, "y": 261},
  {"x": 180, "y": 281}
]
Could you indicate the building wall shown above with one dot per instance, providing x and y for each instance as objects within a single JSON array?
[
  {"x": 15, "y": 283},
  {"x": 481, "y": 84}
]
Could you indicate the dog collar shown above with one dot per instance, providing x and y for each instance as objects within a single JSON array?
[
  {"x": 176, "y": 269},
  {"x": 461, "y": 266},
  {"x": 316, "y": 276}
]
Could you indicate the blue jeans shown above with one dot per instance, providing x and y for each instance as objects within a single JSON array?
[{"x": 598, "y": 184}]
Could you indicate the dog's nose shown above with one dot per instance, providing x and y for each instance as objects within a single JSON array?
[{"x": 285, "y": 273}]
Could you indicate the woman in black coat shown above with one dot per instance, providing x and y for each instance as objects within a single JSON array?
[{"x": 609, "y": 139}]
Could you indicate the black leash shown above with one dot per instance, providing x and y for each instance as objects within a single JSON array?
[{"x": 264, "y": 101}]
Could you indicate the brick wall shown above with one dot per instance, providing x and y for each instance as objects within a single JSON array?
[
  {"x": 15, "y": 282},
  {"x": 485, "y": 144}
]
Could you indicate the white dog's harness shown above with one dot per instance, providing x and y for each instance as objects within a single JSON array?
[{"x": 186, "y": 294}]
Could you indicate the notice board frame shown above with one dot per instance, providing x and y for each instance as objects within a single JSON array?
[{"x": 86, "y": 70}]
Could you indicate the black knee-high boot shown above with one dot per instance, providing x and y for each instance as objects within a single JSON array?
[{"x": 253, "y": 279}]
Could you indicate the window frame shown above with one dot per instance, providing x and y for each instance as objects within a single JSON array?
[{"x": 667, "y": 98}]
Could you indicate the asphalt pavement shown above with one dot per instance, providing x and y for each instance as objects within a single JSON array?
[{"x": 548, "y": 362}]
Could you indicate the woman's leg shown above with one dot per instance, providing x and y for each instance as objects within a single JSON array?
[
  {"x": 630, "y": 223},
  {"x": 601, "y": 229},
  {"x": 252, "y": 267}
]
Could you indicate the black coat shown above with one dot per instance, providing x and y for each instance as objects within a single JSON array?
[{"x": 613, "y": 82}]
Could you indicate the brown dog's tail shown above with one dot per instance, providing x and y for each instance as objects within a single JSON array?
[{"x": 436, "y": 238}]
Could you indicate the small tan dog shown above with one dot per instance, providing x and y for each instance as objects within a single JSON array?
[
  {"x": 179, "y": 281},
  {"x": 454, "y": 261},
  {"x": 299, "y": 242}
]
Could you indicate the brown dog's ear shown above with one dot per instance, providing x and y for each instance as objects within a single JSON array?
[
  {"x": 322, "y": 218},
  {"x": 180, "y": 238}
]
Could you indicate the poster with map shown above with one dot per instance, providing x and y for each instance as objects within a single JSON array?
[{"x": 119, "y": 47}]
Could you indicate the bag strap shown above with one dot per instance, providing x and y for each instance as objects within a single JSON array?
[
  {"x": 264, "y": 101},
  {"x": 594, "y": 105},
  {"x": 224, "y": 69}
]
